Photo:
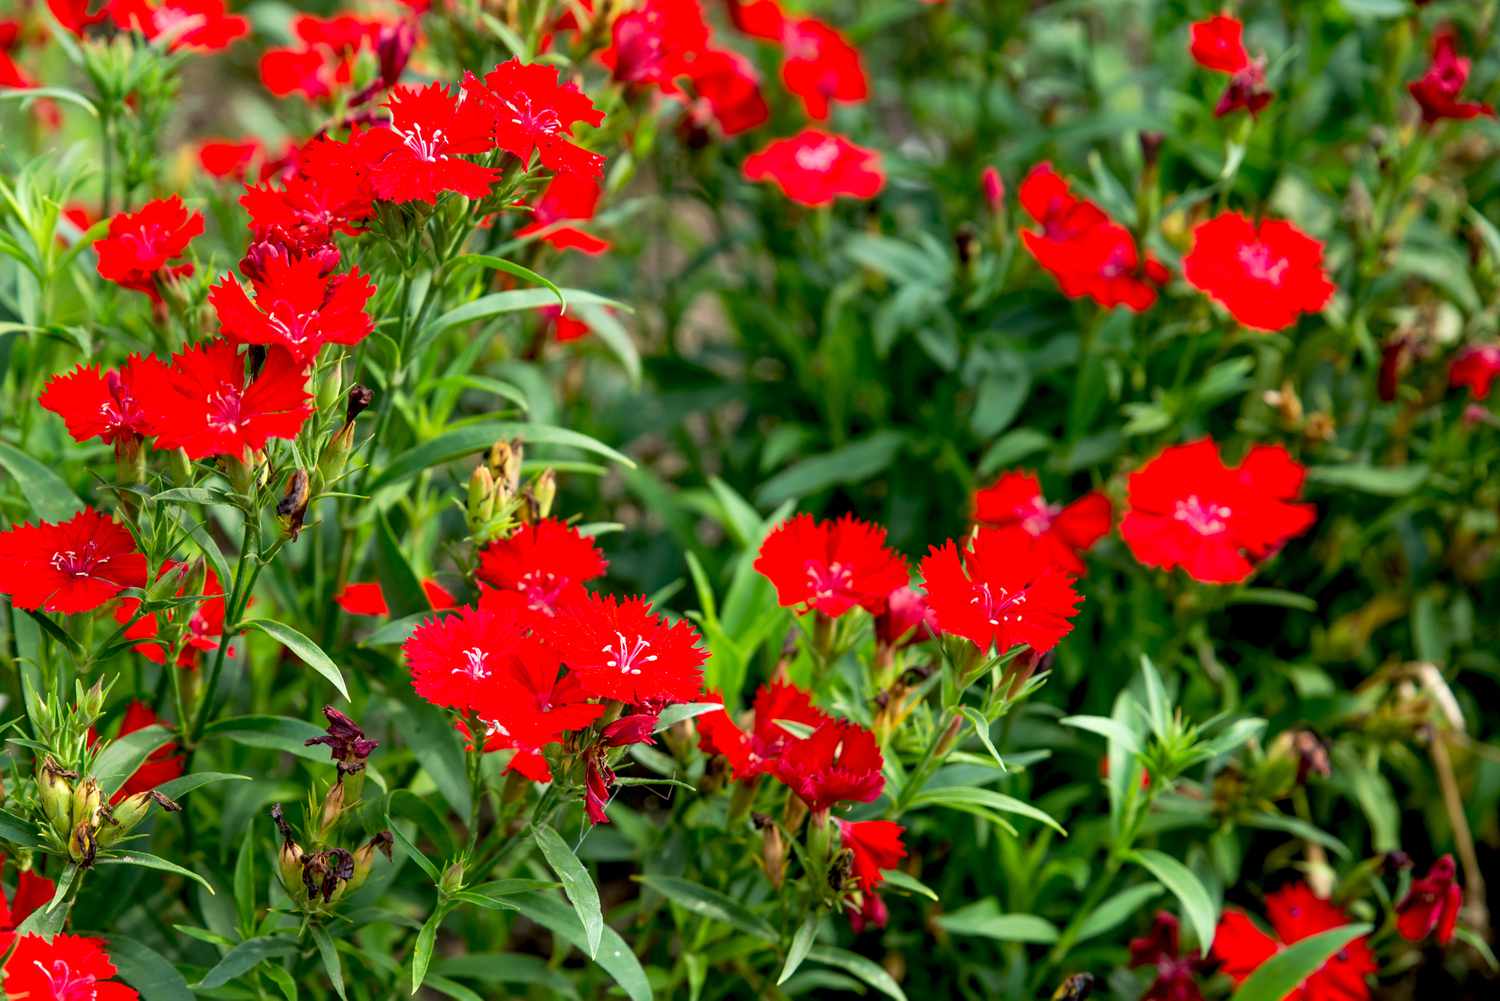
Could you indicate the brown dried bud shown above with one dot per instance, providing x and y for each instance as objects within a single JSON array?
[{"x": 292, "y": 508}]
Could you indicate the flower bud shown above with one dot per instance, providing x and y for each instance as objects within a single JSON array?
[
  {"x": 179, "y": 467},
  {"x": 453, "y": 878},
  {"x": 291, "y": 510},
  {"x": 994, "y": 188},
  {"x": 360, "y": 398},
  {"x": 56, "y": 794},
  {"x": 504, "y": 460},
  {"x": 772, "y": 849},
  {"x": 543, "y": 493},
  {"x": 333, "y": 808},
  {"x": 130, "y": 461},
  {"x": 480, "y": 507},
  {"x": 364, "y": 858},
  {"x": 330, "y": 388},
  {"x": 289, "y": 866},
  {"x": 87, "y": 797},
  {"x": 336, "y": 453},
  {"x": 91, "y": 701},
  {"x": 243, "y": 471},
  {"x": 125, "y": 816},
  {"x": 83, "y": 844}
]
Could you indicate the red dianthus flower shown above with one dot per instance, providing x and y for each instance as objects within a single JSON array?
[
  {"x": 535, "y": 112},
  {"x": 216, "y": 28},
  {"x": 839, "y": 762},
  {"x": 71, "y": 566},
  {"x": 297, "y": 306},
  {"x": 1476, "y": 367},
  {"x": 547, "y": 562},
  {"x": 813, "y": 168},
  {"x": 1265, "y": 275},
  {"x": 140, "y": 243},
  {"x": 1295, "y": 913},
  {"x": 831, "y": 566},
  {"x": 97, "y": 404},
  {"x": 1439, "y": 88},
  {"x": 619, "y": 650},
  {"x": 821, "y": 66},
  {"x": 1432, "y": 904},
  {"x": 755, "y": 753},
  {"x": 421, "y": 155},
  {"x": 69, "y": 968},
  {"x": 1014, "y": 507},
  {"x": 995, "y": 593}
]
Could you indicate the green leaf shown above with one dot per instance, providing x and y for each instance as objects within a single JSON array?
[
  {"x": 612, "y": 333},
  {"x": 710, "y": 903},
  {"x": 330, "y": 956},
  {"x": 243, "y": 958},
  {"x": 124, "y": 755},
  {"x": 18, "y": 832},
  {"x": 49, "y": 497},
  {"x": 576, "y": 881},
  {"x": 1286, "y": 969},
  {"x": 421, "y": 954},
  {"x": 1298, "y": 827},
  {"x": 398, "y": 631},
  {"x": 150, "y": 861},
  {"x": 1382, "y": 481},
  {"x": 982, "y": 729},
  {"x": 306, "y": 650},
  {"x": 614, "y": 956},
  {"x": 184, "y": 784},
  {"x": 277, "y": 733},
  {"x": 417, "y": 855},
  {"x": 499, "y": 303},
  {"x": 1157, "y": 711},
  {"x": 871, "y": 973},
  {"x": 28, "y": 94},
  {"x": 1201, "y": 911},
  {"x": 853, "y": 463},
  {"x": 1121, "y": 907},
  {"x": 513, "y": 269},
  {"x": 402, "y": 587},
  {"x": 802, "y": 943},
  {"x": 672, "y": 715},
  {"x": 984, "y": 919},
  {"x": 436, "y": 744},
  {"x": 901, "y": 881},
  {"x": 1112, "y": 730},
  {"x": 146, "y": 970},
  {"x": 961, "y": 797},
  {"x": 475, "y": 438}
]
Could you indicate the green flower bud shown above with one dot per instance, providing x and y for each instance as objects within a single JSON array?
[{"x": 56, "y": 794}]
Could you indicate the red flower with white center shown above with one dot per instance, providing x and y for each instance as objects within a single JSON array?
[
  {"x": 821, "y": 66},
  {"x": 205, "y": 627},
  {"x": 813, "y": 168},
  {"x": 1265, "y": 275},
  {"x": 229, "y": 158},
  {"x": 1295, "y": 913},
  {"x": 1014, "y": 507},
  {"x": 838, "y": 762},
  {"x": 163, "y": 764},
  {"x": 655, "y": 43},
  {"x": 728, "y": 92},
  {"x": 71, "y": 566},
  {"x": 421, "y": 155},
  {"x": 1079, "y": 245},
  {"x": 763, "y": 19},
  {"x": 213, "y": 27},
  {"x": 69, "y": 968},
  {"x": 1476, "y": 367},
  {"x": 1439, "y": 88},
  {"x": 535, "y": 112},
  {"x": 1187, "y": 509},
  {"x": 619, "y": 650},
  {"x": 528, "y": 706},
  {"x": 831, "y": 566},
  {"x": 1218, "y": 44},
  {"x": 97, "y": 404},
  {"x": 203, "y": 404},
  {"x": 876, "y": 845},
  {"x": 755, "y": 753},
  {"x": 1161, "y": 948},
  {"x": 567, "y": 197},
  {"x": 139, "y": 245},
  {"x": 327, "y": 192},
  {"x": 1432, "y": 904},
  {"x": 454, "y": 658},
  {"x": 297, "y": 306},
  {"x": 364, "y": 598},
  {"x": 33, "y": 890},
  {"x": 547, "y": 562},
  {"x": 995, "y": 593}
]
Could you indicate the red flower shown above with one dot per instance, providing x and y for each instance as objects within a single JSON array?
[
  {"x": 297, "y": 306},
  {"x": 831, "y": 566},
  {"x": 1014, "y": 507},
  {"x": 75, "y": 15},
  {"x": 993, "y": 186},
  {"x": 813, "y": 168},
  {"x": 728, "y": 88},
  {"x": 97, "y": 404},
  {"x": 619, "y": 650},
  {"x": 821, "y": 66},
  {"x": 1432, "y": 904},
  {"x": 1218, "y": 44},
  {"x": 876, "y": 845},
  {"x": 1295, "y": 913},
  {"x": 205, "y": 627},
  {"x": 1476, "y": 367},
  {"x": 905, "y": 618},
  {"x": 1439, "y": 88},
  {"x": 216, "y": 30},
  {"x": 547, "y": 562},
  {"x": 526, "y": 707},
  {"x": 534, "y": 112},
  {"x": 755, "y": 753},
  {"x": 71, "y": 566},
  {"x": 838, "y": 762},
  {"x": 762, "y": 19},
  {"x": 421, "y": 155},
  {"x": 163, "y": 765},
  {"x": 305, "y": 71},
  {"x": 438, "y": 596},
  {"x": 328, "y": 192},
  {"x": 69, "y": 968},
  {"x": 997, "y": 593},
  {"x": 656, "y": 42},
  {"x": 1264, "y": 275},
  {"x": 1087, "y": 252},
  {"x": 229, "y": 158},
  {"x": 1161, "y": 948},
  {"x": 1189, "y": 510},
  {"x": 32, "y": 891},
  {"x": 203, "y": 404},
  {"x": 564, "y": 327},
  {"x": 362, "y": 599},
  {"x": 568, "y": 196},
  {"x": 139, "y": 245},
  {"x": 453, "y": 659}
]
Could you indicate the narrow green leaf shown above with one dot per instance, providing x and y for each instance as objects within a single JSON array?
[
  {"x": 576, "y": 881},
  {"x": 959, "y": 797},
  {"x": 154, "y": 862},
  {"x": 421, "y": 954},
  {"x": 1117, "y": 909},
  {"x": 901, "y": 881},
  {"x": 124, "y": 755},
  {"x": 710, "y": 903},
  {"x": 474, "y": 438},
  {"x": 614, "y": 956},
  {"x": 802, "y": 943},
  {"x": 982, "y": 730},
  {"x": 858, "y": 966},
  {"x": 50, "y": 498},
  {"x": 1201, "y": 911},
  {"x": 277, "y": 733},
  {"x": 306, "y": 650},
  {"x": 672, "y": 715},
  {"x": 184, "y": 784},
  {"x": 1111, "y": 730},
  {"x": 147, "y": 970},
  {"x": 243, "y": 958},
  {"x": 1285, "y": 971},
  {"x": 983, "y": 919}
]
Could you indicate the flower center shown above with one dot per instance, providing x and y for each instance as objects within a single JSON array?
[
  {"x": 429, "y": 149},
  {"x": 541, "y": 589},
  {"x": 1262, "y": 264},
  {"x": 997, "y": 610},
  {"x": 65, "y": 987},
  {"x": 531, "y": 118},
  {"x": 817, "y": 158},
  {"x": 824, "y": 580},
  {"x": 289, "y": 323},
  {"x": 1203, "y": 518},
  {"x": 1036, "y": 517},
  {"x": 625, "y": 656},
  {"x": 78, "y": 563},
  {"x": 476, "y": 664},
  {"x": 224, "y": 408}
]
